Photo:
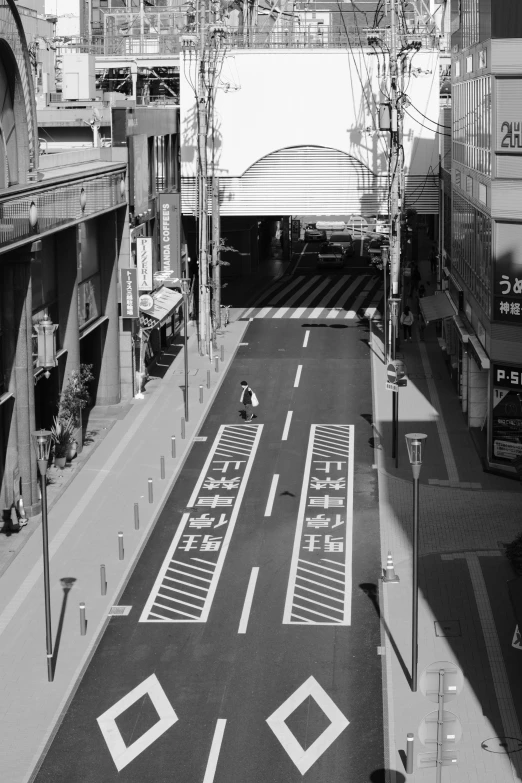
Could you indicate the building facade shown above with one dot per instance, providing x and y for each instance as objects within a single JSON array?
[{"x": 482, "y": 251}]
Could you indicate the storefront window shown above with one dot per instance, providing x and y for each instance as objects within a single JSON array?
[
  {"x": 471, "y": 249},
  {"x": 506, "y": 418},
  {"x": 471, "y": 107}
]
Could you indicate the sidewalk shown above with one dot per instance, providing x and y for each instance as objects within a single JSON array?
[
  {"x": 465, "y": 517},
  {"x": 83, "y": 531}
]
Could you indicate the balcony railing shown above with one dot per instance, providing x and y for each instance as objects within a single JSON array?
[{"x": 172, "y": 44}]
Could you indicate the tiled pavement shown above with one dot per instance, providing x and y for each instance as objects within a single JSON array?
[{"x": 462, "y": 528}]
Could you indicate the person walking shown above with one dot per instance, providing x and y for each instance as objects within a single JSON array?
[
  {"x": 433, "y": 259},
  {"x": 248, "y": 399},
  {"x": 407, "y": 323}
]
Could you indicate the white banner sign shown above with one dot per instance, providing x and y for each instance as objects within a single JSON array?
[{"x": 144, "y": 263}]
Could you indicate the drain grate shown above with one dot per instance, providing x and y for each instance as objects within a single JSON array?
[
  {"x": 448, "y": 628},
  {"x": 119, "y": 611}
]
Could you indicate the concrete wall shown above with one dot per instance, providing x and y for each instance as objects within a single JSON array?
[{"x": 283, "y": 98}]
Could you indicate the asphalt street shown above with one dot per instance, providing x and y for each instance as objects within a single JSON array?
[{"x": 251, "y": 652}]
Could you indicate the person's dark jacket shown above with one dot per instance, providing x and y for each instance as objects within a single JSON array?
[{"x": 247, "y": 396}]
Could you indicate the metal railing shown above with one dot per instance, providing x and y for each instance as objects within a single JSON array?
[{"x": 172, "y": 43}]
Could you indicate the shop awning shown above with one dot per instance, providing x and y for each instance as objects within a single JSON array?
[
  {"x": 94, "y": 325},
  {"x": 435, "y": 307},
  {"x": 461, "y": 328},
  {"x": 164, "y": 302}
]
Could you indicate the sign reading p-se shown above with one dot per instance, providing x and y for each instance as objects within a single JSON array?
[
  {"x": 170, "y": 233},
  {"x": 507, "y": 377}
]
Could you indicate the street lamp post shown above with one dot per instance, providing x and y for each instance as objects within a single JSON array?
[
  {"x": 394, "y": 303},
  {"x": 185, "y": 282},
  {"x": 42, "y": 446},
  {"x": 415, "y": 443}
]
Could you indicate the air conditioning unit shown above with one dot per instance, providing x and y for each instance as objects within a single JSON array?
[{"x": 78, "y": 77}]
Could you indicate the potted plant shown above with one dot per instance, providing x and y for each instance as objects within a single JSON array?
[
  {"x": 62, "y": 433},
  {"x": 75, "y": 396}
]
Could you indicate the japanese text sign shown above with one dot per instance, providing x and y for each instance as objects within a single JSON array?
[{"x": 129, "y": 293}]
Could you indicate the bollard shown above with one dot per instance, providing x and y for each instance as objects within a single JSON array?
[
  {"x": 162, "y": 467},
  {"x": 121, "y": 553},
  {"x": 136, "y": 517},
  {"x": 201, "y": 392},
  {"x": 103, "y": 580},
  {"x": 183, "y": 428},
  {"x": 83, "y": 621},
  {"x": 211, "y": 352},
  {"x": 151, "y": 496},
  {"x": 409, "y": 754},
  {"x": 216, "y": 364},
  {"x": 208, "y": 379},
  {"x": 222, "y": 353},
  {"x": 390, "y": 575},
  {"x": 173, "y": 445}
]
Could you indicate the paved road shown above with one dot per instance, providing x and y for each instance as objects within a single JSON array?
[{"x": 248, "y": 633}]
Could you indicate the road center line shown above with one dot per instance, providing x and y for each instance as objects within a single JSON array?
[
  {"x": 287, "y": 425},
  {"x": 271, "y": 495},
  {"x": 245, "y": 614},
  {"x": 307, "y": 335},
  {"x": 213, "y": 756},
  {"x": 298, "y": 375}
]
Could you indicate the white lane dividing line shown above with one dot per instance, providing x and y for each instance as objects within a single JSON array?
[
  {"x": 298, "y": 375},
  {"x": 307, "y": 335},
  {"x": 247, "y": 606},
  {"x": 287, "y": 425},
  {"x": 213, "y": 756},
  {"x": 271, "y": 495}
]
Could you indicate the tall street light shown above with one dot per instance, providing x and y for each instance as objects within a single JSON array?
[
  {"x": 42, "y": 446},
  {"x": 415, "y": 442},
  {"x": 185, "y": 283}
]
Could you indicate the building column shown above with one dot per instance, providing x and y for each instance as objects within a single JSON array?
[
  {"x": 477, "y": 394},
  {"x": 126, "y": 325},
  {"x": 9, "y": 339},
  {"x": 109, "y": 381},
  {"x": 21, "y": 471},
  {"x": 68, "y": 329},
  {"x": 464, "y": 380}
]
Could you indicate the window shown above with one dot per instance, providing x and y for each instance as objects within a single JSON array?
[
  {"x": 469, "y": 185},
  {"x": 469, "y": 22},
  {"x": 471, "y": 249},
  {"x": 469, "y": 63},
  {"x": 471, "y": 113},
  {"x": 482, "y": 193},
  {"x": 482, "y": 58},
  {"x": 457, "y": 177},
  {"x": 457, "y": 68}
]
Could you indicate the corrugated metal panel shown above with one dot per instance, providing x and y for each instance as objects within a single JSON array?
[
  {"x": 310, "y": 180},
  {"x": 509, "y": 166},
  {"x": 510, "y": 332},
  {"x": 506, "y": 351},
  {"x": 506, "y": 199},
  {"x": 422, "y": 193},
  {"x": 506, "y": 55}
]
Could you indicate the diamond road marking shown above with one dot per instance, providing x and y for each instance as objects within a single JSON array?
[
  {"x": 304, "y": 759},
  {"x": 120, "y": 752}
]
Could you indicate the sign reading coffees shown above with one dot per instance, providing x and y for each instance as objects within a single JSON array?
[{"x": 170, "y": 234}]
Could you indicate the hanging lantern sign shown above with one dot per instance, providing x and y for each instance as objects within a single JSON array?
[{"x": 46, "y": 333}]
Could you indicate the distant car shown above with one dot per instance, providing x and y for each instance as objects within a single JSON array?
[
  {"x": 330, "y": 255},
  {"x": 374, "y": 248},
  {"x": 344, "y": 241},
  {"x": 313, "y": 234}
]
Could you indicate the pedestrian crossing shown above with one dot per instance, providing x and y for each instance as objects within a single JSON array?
[{"x": 348, "y": 297}]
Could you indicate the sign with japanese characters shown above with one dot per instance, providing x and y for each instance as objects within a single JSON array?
[
  {"x": 320, "y": 582},
  {"x": 129, "y": 293},
  {"x": 507, "y": 285},
  {"x": 187, "y": 580}
]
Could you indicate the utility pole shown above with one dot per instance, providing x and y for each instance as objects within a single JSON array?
[
  {"x": 395, "y": 209},
  {"x": 204, "y": 331},
  {"x": 216, "y": 269}
]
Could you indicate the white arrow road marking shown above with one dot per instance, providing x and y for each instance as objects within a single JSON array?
[
  {"x": 304, "y": 759},
  {"x": 121, "y": 753}
]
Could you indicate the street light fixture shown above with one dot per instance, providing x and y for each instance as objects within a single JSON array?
[
  {"x": 415, "y": 442},
  {"x": 46, "y": 335},
  {"x": 42, "y": 447},
  {"x": 185, "y": 287}
]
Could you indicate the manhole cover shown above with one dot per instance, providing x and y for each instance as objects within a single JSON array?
[
  {"x": 448, "y": 628},
  {"x": 501, "y": 745}
]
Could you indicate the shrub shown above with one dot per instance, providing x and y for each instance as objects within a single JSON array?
[{"x": 75, "y": 397}]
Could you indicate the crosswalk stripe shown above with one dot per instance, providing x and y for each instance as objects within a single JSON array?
[
  {"x": 329, "y": 296},
  {"x": 368, "y": 289},
  {"x": 357, "y": 283},
  {"x": 298, "y": 313},
  {"x": 283, "y": 310},
  {"x": 266, "y": 299}
]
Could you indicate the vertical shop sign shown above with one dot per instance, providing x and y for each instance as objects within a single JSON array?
[
  {"x": 144, "y": 263},
  {"x": 506, "y": 420},
  {"x": 129, "y": 293},
  {"x": 170, "y": 236}
]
